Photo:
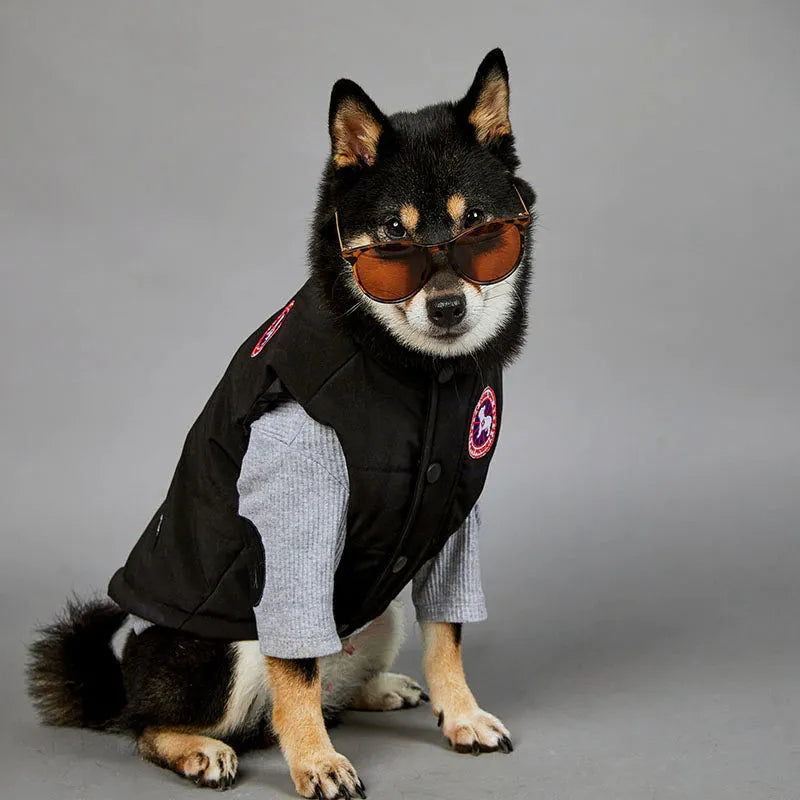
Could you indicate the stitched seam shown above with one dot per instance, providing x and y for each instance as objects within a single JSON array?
[
  {"x": 210, "y": 594},
  {"x": 309, "y": 458},
  {"x": 333, "y": 375}
]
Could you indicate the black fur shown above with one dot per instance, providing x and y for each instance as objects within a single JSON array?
[
  {"x": 457, "y": 632},
  {"x": 173, "y": 678},
  {"x": 423, "y": 157},
  {"x": 306, "y": 668},
  {"x": 166, "y": 677},
  {"x": 73, "y": 677}
]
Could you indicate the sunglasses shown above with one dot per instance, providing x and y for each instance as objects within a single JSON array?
[{"x": 391, "y": 272}]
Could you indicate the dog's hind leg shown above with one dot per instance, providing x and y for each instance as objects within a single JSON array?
[
  {"x": 185, "y": 695},
  {"x": 388, "y": 691},
  {"x": 373, "y": 651},
  {"x": 208, "y": 762}
]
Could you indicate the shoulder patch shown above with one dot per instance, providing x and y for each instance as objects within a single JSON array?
[
  {"x": 484, "y": 424},
  {"x": 271, "y": 330}
]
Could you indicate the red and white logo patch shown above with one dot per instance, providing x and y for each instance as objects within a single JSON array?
[
  {"x": 272, "y": 330},
  {"x": 484, "y": 424}
]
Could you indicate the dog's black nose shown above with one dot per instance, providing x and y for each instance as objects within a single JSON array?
[{"x": 447, "y": 310}]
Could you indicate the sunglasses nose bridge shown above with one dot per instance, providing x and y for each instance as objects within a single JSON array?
[{"x": 439, "y": 256}]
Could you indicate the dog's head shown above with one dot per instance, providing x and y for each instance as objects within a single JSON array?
[{"x": 425, "y": 176}]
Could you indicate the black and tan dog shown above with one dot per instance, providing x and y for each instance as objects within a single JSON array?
[{"x": 423, "y": 177}]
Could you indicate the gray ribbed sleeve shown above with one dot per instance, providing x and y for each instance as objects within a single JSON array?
[
  {"x": 291, "y": 489},
  {"x": 448, "y": 587}
]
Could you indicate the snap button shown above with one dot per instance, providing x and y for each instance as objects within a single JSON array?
[
  {"x": 434, "y": 472},
  {"x": 399, "y": 564},
  {"x": 445, "y": 373}
]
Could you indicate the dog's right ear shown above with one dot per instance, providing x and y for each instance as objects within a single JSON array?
[
  {"x": 355, "y": 124},
  {"x": 484, "y": 109}
]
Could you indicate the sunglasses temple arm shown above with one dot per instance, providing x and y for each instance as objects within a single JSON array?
[
  {"x": 338, "y": 233},
  {"x": 518, "y": 195}
]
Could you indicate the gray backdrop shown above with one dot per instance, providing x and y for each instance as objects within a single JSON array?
[{"x": 158, "y": 163}]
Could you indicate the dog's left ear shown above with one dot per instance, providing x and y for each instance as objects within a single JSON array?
[
  {"x": 356, "y": 126},
  {"x": 484, "y": 108}
]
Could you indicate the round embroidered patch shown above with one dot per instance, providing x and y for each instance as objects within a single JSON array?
[
  {"x": 272, "y": 330},
  {"x": 484, "y": 424}
]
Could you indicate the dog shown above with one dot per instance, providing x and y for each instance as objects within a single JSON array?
[{"x": 420, "y": 263}]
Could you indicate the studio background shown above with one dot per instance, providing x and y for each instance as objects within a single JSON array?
[{"x": 158, "y": 167}]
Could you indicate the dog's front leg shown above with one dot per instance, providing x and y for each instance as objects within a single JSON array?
[
  {"x": 316, "y": 768},
  {"x": 468, "y": 728}
]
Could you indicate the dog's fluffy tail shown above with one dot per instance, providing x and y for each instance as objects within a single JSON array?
[{"x": 74, "y": 678}]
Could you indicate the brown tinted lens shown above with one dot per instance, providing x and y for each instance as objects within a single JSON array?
[
  {"x": 489, "y": 252},
  {"x": 390, "y": 272}
]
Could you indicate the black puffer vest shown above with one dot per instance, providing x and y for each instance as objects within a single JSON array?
[{"x": 417, "y": 448}]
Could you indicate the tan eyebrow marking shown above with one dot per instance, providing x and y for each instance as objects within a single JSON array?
[
  {"x": 456, "y": 206},
  {"x": 409, "y": 216}
]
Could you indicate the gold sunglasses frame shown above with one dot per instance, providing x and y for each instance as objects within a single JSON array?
[{"x": 521, "y": 222}]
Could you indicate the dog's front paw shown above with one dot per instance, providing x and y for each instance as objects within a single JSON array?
[
  {"x": 327, "y": 776},
  {"x": 475, "y": 732}
]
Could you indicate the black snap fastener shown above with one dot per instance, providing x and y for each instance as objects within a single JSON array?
[
  {"x": 445, "y": 373},
  {"x": 399, "y": 564},
  {"x": 434, "y": 472}
]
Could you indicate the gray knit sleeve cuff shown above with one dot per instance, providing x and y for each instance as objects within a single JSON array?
[
  {"x": 291, "y": 647},
  {"x": 476, "y": 612}
]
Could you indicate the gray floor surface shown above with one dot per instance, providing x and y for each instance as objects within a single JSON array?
[{"x": 690, "y": 690}]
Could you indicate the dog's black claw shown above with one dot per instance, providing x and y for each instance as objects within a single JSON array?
[
  {"x": 476, "y": 748},
  {"x": 502, "y": 745},
  {"x": 441, "y": 719},
  {"x": 424, "y": 697},
  {"x": 506, "y": 745},
  {"x": 361, "y": 789},
  {"x": 318, "y": 793},
  {"x": 343, "y": 791}
]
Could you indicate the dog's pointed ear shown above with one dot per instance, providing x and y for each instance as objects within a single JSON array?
[
  {"x": 485, "y": 106},
  {"x": 355, "y": 124}
]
